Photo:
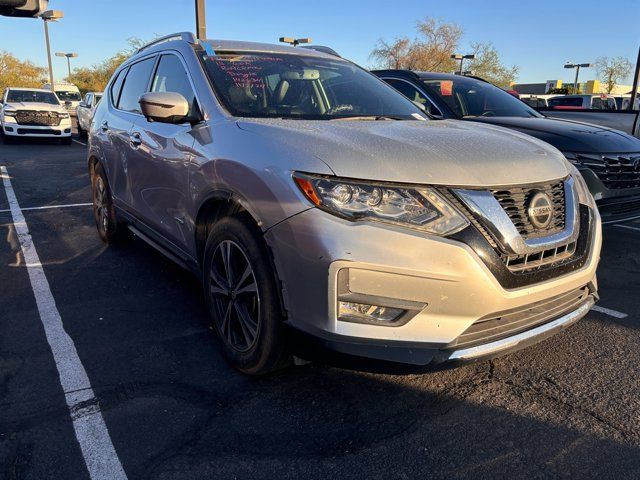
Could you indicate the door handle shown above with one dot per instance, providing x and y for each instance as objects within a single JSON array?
[
  {"x": 104, "y": 126},
  {"x": 135, "y": 139}
]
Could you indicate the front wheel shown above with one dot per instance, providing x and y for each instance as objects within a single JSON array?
[{"x": 243, "y": 298}]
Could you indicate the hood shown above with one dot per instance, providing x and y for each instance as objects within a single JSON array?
[
  {"x": 444, "y": 152},
  {"x": 46, "y": 107},
  {"x": 568, "y": 135}
]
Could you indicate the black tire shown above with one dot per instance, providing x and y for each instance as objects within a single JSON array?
[
  {"x": 81, "y": 132},
  {"x": 250, "y": 326},
  {"x": 110, "y": 230}
]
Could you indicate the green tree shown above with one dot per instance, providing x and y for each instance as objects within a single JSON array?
[
  {"x": 487, "y": 65},
  {"x": 612, "y": 70},
  {"x": 17, "y": 73},
  {"x": 96, "y": 77}
]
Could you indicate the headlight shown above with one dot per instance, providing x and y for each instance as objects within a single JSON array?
[
  {"x": 584, "y": 195},
  {"x": 421, "y": 208},
  {"x": 9, "y": 113},
  {"x": 63, "y": 115}
]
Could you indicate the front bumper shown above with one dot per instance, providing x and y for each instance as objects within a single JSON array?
[
  {"x": 14, "y": 129},
  {"x": 446, "y": 282}
]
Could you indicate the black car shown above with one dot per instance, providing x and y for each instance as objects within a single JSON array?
[{"x": 608, "y": 159}]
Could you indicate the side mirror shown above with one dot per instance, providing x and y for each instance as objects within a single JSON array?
[
  {"x": 419, "y": 105},
  {"x": 83, "y": 105},
  {"x": 67, "y": 103},
  {"x": 164, "y": 107}
]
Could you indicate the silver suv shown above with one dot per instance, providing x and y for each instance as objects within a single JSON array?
[{"x": 321, "y": 208}]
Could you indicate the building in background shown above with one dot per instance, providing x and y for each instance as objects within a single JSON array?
[{"x": 588, "y": 87}]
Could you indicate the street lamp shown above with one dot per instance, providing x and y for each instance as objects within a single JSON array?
[
  {"x": 295, "y": 41},
  {"x": 458, "y": 56},
  {"x": 69, "y": 56},
  {"x": 577, "y": 66},
  {"x": 50, "y": 16}
]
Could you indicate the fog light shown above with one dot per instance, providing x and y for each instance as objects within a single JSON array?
[
  {"x": 364, "y": 313},
  {"x": 8, "y": 129}
]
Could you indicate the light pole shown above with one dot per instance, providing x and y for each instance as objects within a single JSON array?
[
  {"x": 458, "y": 56},
  {"x": 69, "y": 56},
  {"x": 577, "y": 66},
  {"x": 295, "y": 41},
  {"x": 201, "y": 22},
  {"x": 50, "y": 16}
]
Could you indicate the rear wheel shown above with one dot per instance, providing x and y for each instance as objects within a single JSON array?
[
  {"x": 104, "y": 213},
  {"x": 243, "y": 298}
]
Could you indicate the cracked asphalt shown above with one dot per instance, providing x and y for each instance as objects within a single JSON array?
[{"x": 568, "y": 407}]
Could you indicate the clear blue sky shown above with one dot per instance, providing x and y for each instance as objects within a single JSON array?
[{"x": 537, "y": 35}]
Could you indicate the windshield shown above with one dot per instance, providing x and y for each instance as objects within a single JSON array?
[
  {"x": 67, "y": 96},
  {"x": 302, "y": 87},
  {"x": 28, "y": 96},
  {"x": 468, "y": 97}
]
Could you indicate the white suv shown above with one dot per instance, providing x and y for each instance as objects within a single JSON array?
[{"x": 34, "y": 113}]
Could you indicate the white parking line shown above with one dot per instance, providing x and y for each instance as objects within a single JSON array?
[
  {"x": 47, "y": 207},
  {"x": 608, "y": 311},
  {"x": 637, "y": 229},
  {"x": 92, "y": 434},
  {"x": 78, "y": 141}
]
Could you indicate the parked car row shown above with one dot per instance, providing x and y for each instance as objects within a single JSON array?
[{"x": 324, "y": 211}]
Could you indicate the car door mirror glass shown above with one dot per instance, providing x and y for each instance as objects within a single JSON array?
[
  {"x": 164, "y": 107},
  {"x": 419, "y": 105}
]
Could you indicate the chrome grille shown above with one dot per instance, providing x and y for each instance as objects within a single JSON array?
[
  {"x": 538, "y": 260},
  {"x": 515, "y": 202},
  {"x": 37, "y": 118},
  {"x": 614, "y": 170}
]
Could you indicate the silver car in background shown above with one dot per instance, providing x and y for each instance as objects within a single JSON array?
[
  {"x": 324, "y": 212},
  {"x": 85, "y": 111}
]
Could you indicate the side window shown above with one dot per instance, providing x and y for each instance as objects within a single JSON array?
[
  {"x": 88, "y": 99},
  {"x": 135, "y": 84},
  {"x": 171, "y": 77},
  {"x": 412, "y": 93},
  {"x": 116, "y": 87}
]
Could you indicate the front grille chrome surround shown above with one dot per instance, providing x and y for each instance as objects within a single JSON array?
[{"x": 498, "y": 214}]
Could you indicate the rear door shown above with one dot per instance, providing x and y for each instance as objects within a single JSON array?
[
  {"x": 117, "y": 126},
  {"x": 158, "y": 170}
]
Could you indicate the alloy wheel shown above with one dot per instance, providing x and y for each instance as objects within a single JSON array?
[
  {"x": 100, "y": 205},
  {"x": 235, "y": 297}
]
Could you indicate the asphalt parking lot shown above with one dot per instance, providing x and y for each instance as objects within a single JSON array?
[{"x": 565, "y": 408}]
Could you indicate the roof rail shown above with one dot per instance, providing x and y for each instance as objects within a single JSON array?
[
  {"x": 186, "y": 36},
  {"x": 323, "y": 49}
]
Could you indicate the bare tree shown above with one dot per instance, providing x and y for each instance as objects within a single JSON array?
[
  {"x": 487, "y": 65},
  {"x": 392, "y": 55},
  {"x": 611, "y": 70},
  {"x": 430, "y": 51}
]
